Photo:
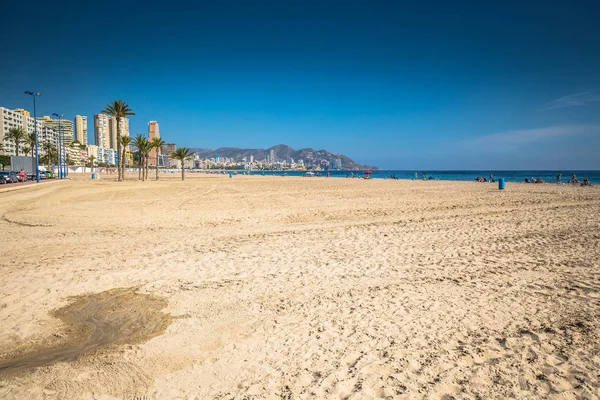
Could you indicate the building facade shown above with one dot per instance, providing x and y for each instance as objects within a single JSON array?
[
  {"x": 105, "y": 131},
  {"x": 18, "y": 118},
  {"x": 113, "y": 131},
  {"x": 63, "y": 126},
  {"x": 81, "y": 129},
  {"x": 153, "y": 132}
]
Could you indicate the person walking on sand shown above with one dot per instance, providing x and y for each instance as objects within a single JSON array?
[
  {"x": 22, "y": 175},
  {"x": 574, "y": 179},
  {"x": 558, "y": 178}
]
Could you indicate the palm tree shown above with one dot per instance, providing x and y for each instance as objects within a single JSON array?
[
  {"x": 92, "y": 159},
  {"x": 182, "y": 154},
  {"x": 119, "y": 110},
  {"x": 157, "y": 143},
  {"x": 18, "y": 135},
  {"x": 27, "y": 149},
  {"x": 30, "y": 141},
  {"x": 50, "y": 153},
  {"x": 142, "y": 145},
  {"x": 125, "y": 142}
]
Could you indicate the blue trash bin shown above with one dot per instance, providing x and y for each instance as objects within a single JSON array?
[
  {"x": 501, "y": 183},
  {"x": 93, "y": 176},
  {"x": 230, "y": 175}
]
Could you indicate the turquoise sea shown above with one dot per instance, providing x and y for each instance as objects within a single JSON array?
[{"x": 509, "y": 176}]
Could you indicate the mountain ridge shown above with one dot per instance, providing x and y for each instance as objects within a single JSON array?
[{"x": 283, "y": 152}]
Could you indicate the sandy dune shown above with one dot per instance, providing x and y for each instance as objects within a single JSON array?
[{"x": 303, "y": 288}]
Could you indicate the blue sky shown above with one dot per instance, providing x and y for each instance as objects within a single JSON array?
[{"x": 407, "y": 85}]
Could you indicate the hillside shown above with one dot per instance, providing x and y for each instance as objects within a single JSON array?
[{"x": 283, "y": 152}]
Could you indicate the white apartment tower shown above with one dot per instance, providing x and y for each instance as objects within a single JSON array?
[
  {"x": 105, "y": 130},
  {"x": 15, "y": 119},
  {"x": 102, "y": 131}
]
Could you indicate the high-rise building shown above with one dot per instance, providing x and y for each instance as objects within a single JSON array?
[
  {"x": 153, "y": 132},
  {"x": 272, "y": 157},
  {"x": 102, "y": 131},
  {"x": 105, "y": 130},
  {"x": 62, "y": 126},
  {"x": 112, "y": 142},
  {"x": 81, "y": 129},
  {"x": 18, "y": 118}
]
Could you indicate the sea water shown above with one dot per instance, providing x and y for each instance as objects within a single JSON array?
[{"x": 509, "y": 176}]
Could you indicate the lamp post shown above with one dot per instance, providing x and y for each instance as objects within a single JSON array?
[
  {"x": 37, "y": 160},
  {"x": 60, "y": 150}
]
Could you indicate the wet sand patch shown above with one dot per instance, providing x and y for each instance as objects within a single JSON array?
[{"x": 94, "y": 321}]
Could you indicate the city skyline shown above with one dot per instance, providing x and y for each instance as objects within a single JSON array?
[{"x": 400, "y": 85}]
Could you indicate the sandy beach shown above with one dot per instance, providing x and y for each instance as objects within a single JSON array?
[{"x": 297, "y": 288}]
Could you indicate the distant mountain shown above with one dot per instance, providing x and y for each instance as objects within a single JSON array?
[{"x": 283, "y": 152}]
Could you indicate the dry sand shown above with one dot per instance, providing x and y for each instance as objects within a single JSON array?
[{"x": 272, "y": 287}]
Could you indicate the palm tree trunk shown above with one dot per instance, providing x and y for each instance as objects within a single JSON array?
[
  {"x": 32, "y": 161},
  {"x": 157, "y": 163},
  {"x": 146, "y": 169},
  {"x": 119, "y": 161},
  {"x": 182, "y": 171},
  {"x": 17, "y": 144},
  {"x": 122, "y": 158}
]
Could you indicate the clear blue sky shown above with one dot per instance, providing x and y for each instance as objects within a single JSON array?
[{"x": 408, "y": 85}]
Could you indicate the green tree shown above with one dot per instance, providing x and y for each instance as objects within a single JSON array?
[
  {"x": 4, "y": 161},
  {"x": 118, "y": 109},
  {"x": 125, "y": 142},
  {"x": 50, "y": 154},
  {"x": 18, "y": 135},
  {"x": 182, "y": 154},
  {"x": 143, "y": 146},
  {"x": 92, "y": 159},
  {"x": 30, "y": 141},
  {"x": 157, "y": 143}
]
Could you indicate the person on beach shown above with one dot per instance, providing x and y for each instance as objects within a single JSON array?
[
  {"x": 22, "y": 177},
  {"x": 574, "y": 179},
  {"x": 491, "y": 177},
  {"x": 558, "y": 178},
  {"x": 416, "y": 176}
]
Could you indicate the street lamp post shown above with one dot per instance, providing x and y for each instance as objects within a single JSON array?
[
  {"x": 37, "y": 159},
  {"x": 60, "y": 147}
]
